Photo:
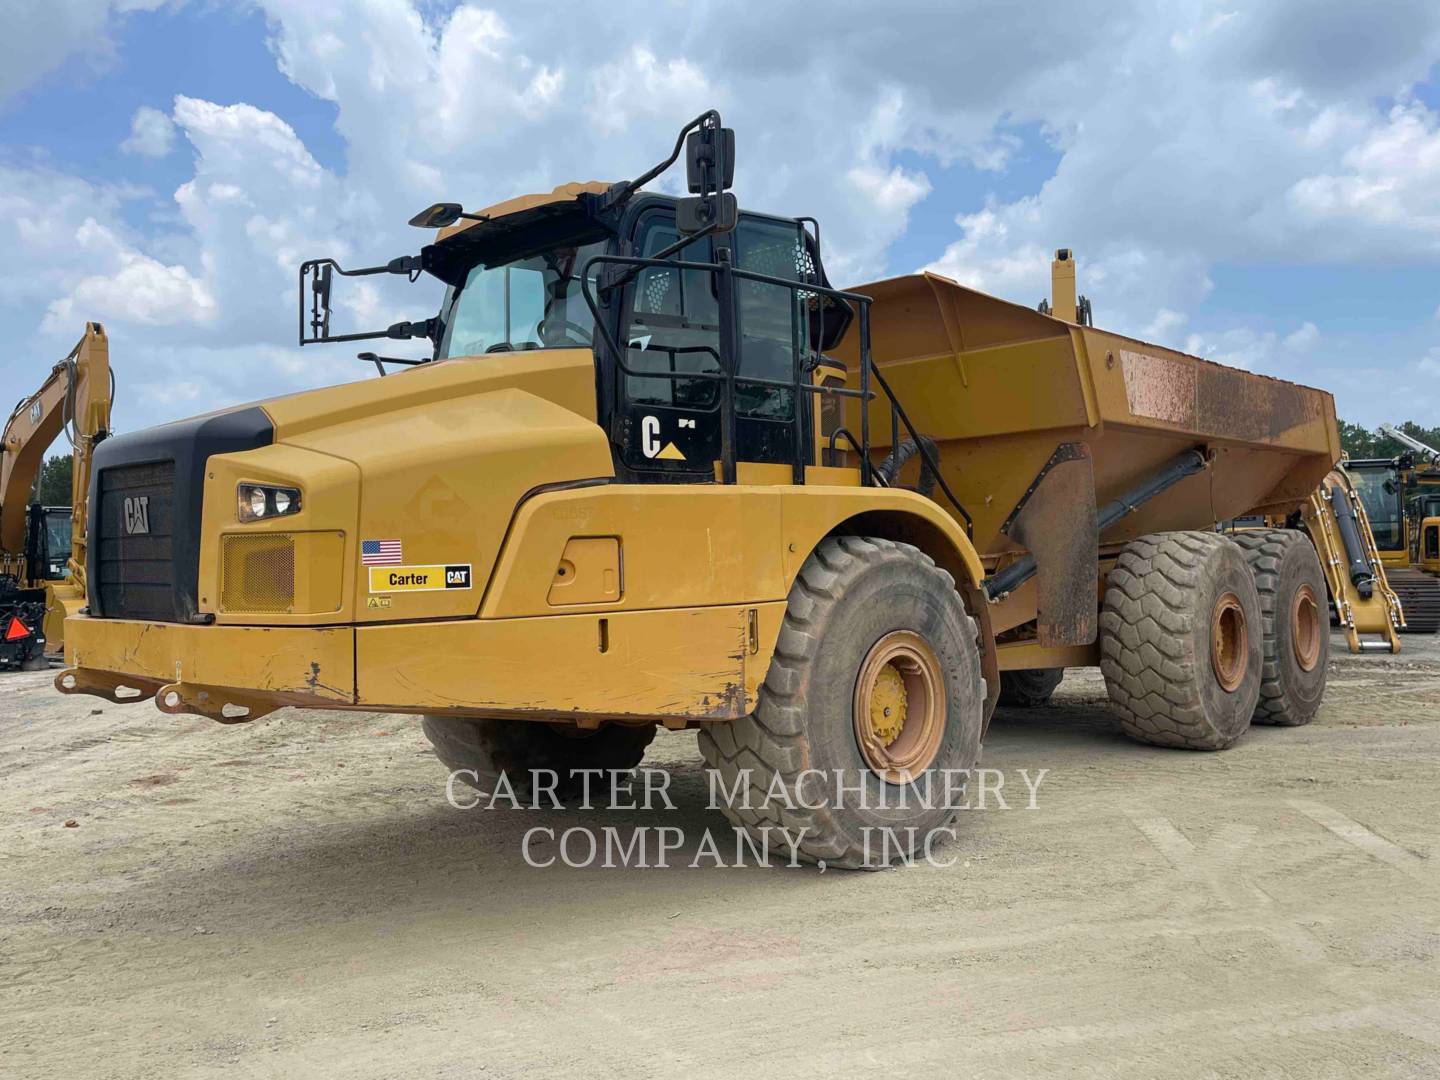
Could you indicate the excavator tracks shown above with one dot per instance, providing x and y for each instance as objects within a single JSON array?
[{"x": 1419, "y": 594}]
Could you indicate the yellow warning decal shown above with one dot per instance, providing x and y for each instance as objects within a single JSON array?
[
  {"x": 670, "y": 453},
  {"x": 393, "y": 579}
]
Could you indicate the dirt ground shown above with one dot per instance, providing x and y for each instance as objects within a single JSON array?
[{"x": 295, "y": 897}]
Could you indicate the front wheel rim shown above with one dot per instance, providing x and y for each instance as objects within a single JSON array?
[{"x": 899, "y": 708}]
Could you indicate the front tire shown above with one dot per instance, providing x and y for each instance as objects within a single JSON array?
[
  {"x": 875, "y": 683},
  {"x": 1180, "y": 640}
]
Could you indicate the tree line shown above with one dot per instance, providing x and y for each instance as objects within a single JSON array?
[{"x": 1361, "y": 442}]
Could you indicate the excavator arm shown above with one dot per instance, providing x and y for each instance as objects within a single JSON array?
[{"x": 75, "y": 397}]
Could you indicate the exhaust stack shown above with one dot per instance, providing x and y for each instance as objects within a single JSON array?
[{"x": 1062, "y": 286}]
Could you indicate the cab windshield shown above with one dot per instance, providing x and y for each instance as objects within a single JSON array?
[
  {"x": 529, "y": 303},
  {"x": 57, "y": 535},
  {"x": 57, "y": 542},
  {"x": 1381, "y": 496}
]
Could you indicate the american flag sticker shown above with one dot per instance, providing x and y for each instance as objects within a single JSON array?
[{"x": 381, "y": 553}]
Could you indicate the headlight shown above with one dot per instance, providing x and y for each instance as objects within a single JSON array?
[{"x": 258, "y": 501}]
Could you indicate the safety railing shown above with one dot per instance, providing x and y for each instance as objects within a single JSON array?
[{"x": 804, "y": 358}]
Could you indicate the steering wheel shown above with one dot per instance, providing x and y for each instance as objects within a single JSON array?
[{"x": 581, "y": 334}]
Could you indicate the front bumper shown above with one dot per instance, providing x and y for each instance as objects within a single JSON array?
[
  {"x": 672, "y": 664},
  {"x": 202, "y": 669}
]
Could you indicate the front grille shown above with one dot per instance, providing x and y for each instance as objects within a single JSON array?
[
  {"x": 258, "y": 573},
  {"x": 134, "y": 567}
]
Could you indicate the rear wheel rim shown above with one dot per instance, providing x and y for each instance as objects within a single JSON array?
[
  {"x": 1229, "y": 642},
  {"x": 1305, "y": 628},
  {"x": 899, "y": 708}
]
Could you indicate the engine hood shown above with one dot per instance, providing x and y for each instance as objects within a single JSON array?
[{"x": 444, "y": 453}]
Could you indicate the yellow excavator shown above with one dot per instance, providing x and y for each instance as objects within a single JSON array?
[
  {"x": 1402, "y": 497},
  {"x": 1364, "y": 603},
  {"x": 42, "y": 548}
]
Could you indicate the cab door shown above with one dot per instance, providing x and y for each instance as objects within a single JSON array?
[{"x": 671, "y": 424}]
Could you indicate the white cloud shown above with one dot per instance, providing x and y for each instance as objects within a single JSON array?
[
  {"x": 1240, "y": 347},
  {"x": 1429, "y": 364},
  {"x": 39, "y": 37},
  {"x": 134, "y": 287},
  {"x": 1187, "y": 136},
  {"x": 640, "y": 85},
  {"x": 1384, "y": 193},
  {"x": 1256, "y": 350},
  {"x": 1304, "y": 339},
  {"x": 1165, "y": 325},
  {"x": 152, "y": 133}
]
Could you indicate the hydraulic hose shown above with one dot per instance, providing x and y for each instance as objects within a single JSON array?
[{"x": 907, "y": 448}]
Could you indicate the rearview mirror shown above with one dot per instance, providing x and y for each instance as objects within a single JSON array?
[
  {"x": 438, "y": 216},
  {"x": 693, "y": 215},
  {"x": 318, "y": 273},
  {"x": 705, "y": 150}
]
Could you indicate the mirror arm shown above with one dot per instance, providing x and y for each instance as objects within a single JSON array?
[
  {"x": 315, "y": 279},
  {"x": 615, "y": 276},
  {"x": 618, "y": 193}
]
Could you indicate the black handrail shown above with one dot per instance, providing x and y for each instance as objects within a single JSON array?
[{"x": 726, "y": 273}]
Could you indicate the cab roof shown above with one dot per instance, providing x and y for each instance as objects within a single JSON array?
[{"x": 565, "y": 193}]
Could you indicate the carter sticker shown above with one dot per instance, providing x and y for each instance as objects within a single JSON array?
[{"x": 394, "y": 579}]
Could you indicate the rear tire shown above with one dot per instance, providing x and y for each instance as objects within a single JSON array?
[
  {"x": 822, "y": 712},
  {"x": 1029, "y": 688},
  {"x": 1296, "y": 633},
  {"x": 1180, "y": 640},
  {"x": 481, "y": 750}
]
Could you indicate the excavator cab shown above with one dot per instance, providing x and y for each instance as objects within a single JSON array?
[
  {"x": 47, "y": 546},
  {"x": 1378, "y": 482},
  {"x": 1423, "y": 511}
]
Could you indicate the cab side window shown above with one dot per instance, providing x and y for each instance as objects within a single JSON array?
[
  {"x": 674, "y": 325},
  {"x": 772, "y": 317}
]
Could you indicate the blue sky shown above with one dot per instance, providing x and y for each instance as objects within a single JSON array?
[{"x": 1258, "y": 185}]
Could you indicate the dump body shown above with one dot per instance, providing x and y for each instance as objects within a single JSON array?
[{"x": 998, "y": 386}]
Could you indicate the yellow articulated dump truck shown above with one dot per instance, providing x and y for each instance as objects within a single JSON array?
[{"x": 654, "y": 470}]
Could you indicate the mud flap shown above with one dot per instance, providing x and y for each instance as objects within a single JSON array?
[{"x": 1056, "y": 522}]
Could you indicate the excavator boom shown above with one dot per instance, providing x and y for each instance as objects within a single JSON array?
[
  {"x": 75, "y": 398},
  {"x": 1429, "y": 453}
]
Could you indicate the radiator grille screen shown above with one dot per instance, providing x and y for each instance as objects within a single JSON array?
[
  {"x": 136, "y": 519},
  {"x": 258, "y": 574}
]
